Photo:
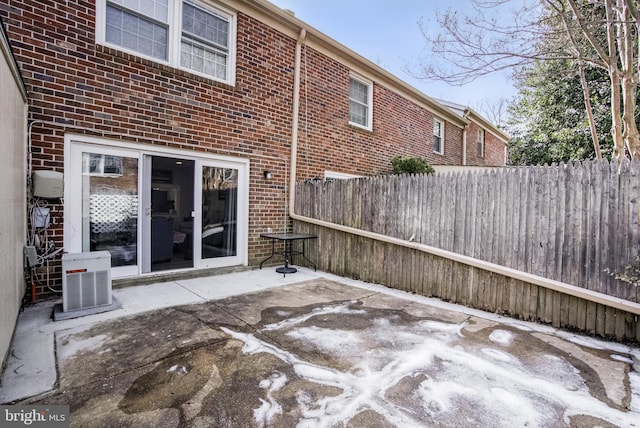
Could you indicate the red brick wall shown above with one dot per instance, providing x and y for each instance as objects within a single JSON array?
[
  {"x": 90, "y": 89},
  {"x": 400, "y": 127},
  {"x": 493, "y": 148}
]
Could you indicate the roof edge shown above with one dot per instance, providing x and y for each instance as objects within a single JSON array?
[{"x": 476, "y": 117}]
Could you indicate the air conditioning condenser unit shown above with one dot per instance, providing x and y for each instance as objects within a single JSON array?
[{"x": 86, "y": 280}]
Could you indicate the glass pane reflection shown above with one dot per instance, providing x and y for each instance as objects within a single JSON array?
[
  {"x": 219, "y": 212},
  {"x": 110, "y": 206}
]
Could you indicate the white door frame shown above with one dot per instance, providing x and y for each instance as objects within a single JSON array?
[
  {"x": 145, "y": 213},
  {"x": 74, "y": 146},
  {"x": 242, "y": 233}
]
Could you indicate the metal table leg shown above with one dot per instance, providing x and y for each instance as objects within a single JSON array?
[
  {"x": 287, "y": 254},
  {"x": 273, "y": 252}
]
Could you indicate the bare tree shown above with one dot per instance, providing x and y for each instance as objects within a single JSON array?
[
  {"x": 597, "y": 33},
  {"x": 495, "y": 111}
]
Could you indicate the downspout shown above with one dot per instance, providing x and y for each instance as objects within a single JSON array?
[
  {"x": 465, "y": 115},
  {"x": 294, "y": 123},
  {"x": 464, "y": 145},
  {"x": 561, "y": 287}
]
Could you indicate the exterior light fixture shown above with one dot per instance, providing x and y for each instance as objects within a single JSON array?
[{"x": 268, "y": 175}]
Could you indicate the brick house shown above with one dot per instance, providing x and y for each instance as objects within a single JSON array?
[{"x": 164, "y": 117}]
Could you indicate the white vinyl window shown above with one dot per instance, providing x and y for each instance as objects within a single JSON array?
[
  {"x": 205, "y": 41},
  {"x": 140, "y": 26},
  {"x": 438, "y": 136},
  {"x": 360, "y": 101},
  {"x": 480, "y": 143},
  {"x": 185, "y": 34}
]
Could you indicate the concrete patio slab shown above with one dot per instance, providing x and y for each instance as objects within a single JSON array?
[
  {"x": 325, "y": 351},
  {"x": 31, "y": 366},
  {"x": 216, "y": 287}
]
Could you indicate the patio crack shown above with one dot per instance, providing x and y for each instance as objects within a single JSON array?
[{"x": 256, "y": 329}]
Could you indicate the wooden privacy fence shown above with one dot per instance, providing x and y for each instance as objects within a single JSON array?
[{"x": 572, "y": 223}]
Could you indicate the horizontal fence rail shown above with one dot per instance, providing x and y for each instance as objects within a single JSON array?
[{"x": 575, "y": 223}]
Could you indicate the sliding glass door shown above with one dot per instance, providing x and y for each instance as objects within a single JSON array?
[
  {"x": 102, "y": 211},
  {"x": 153, "y": 211},
  {"x": 221, "y": 213}
]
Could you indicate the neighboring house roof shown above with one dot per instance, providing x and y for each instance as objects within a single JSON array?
[
  {"x": 459, "y": 109},
  {"x": 5, "y": 50},
  {"x": 469, "y": 113},
  {"x": 287, "y": 22}
]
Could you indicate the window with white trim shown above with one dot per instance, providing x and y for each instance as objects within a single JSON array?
[
  {"x": 480, "y": 143},
  {"x": 339, "y": 175},
  {"x": 186, "y": 34},
  {"x": 438, "y": 136},
  {"x": 360, "y": 96}
]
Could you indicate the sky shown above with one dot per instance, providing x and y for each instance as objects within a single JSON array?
[{"x": 387, "y": 33}]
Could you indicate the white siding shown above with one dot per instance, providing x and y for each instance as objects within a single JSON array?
[{"x": 13, "y": 170}]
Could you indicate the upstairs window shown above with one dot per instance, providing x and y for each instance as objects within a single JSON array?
[
  {"x": 480, "y": 143},
  {"x": 141, "y": 26},
  {"x": 360, "y": 95},
  {"x": 182, "y": 33},
  {"x": 205, "y": 41},
  {"x": 438, "y": 136}
]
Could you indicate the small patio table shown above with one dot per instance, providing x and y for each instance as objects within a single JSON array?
[{"x": 288, "y": 238}]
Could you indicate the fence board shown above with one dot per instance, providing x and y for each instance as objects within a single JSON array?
[
  {"x": 625, "y": 290},
  {"x": 634, "y": 218},
  {"x": 420, "y": 271},
  {"x": 573, "y": 232},
  {"x": 485, "y": 200},
  {"x": 531, "y": 240},
  {"x": 537, "y": 303},
  {"x": 582, "y": 250},
  {"x": 589, "y": 229}
]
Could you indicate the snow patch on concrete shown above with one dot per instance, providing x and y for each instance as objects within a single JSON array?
[
  {"x": 499, "y": 387},
  {"x": 501, "y": 337},
  {"x": 71, "y": 345}
]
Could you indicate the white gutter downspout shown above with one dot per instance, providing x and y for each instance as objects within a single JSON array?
[
  {"x": 464, "y": 145},
  {"x": 561, "y": 287},
  {"x": 294, "y": 123},
  {"x": 464, "y": 138}
]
